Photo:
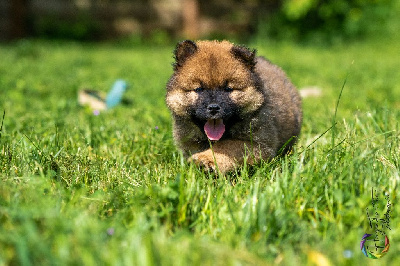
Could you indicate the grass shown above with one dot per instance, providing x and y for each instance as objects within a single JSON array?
[{"x": 113, "y": 189}]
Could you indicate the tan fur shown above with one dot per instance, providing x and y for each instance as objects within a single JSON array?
[{"x": 265, "y": 104}]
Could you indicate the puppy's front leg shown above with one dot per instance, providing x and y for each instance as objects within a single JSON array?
[{"x": 226, "y": 155}]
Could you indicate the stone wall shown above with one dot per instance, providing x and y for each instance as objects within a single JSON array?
[{"x": 103, "y": 19}]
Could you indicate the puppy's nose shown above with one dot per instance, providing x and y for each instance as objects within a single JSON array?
[{"x": 213, "y": 108}]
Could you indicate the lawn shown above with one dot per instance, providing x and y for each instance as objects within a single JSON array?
[{"x": 77, "y": 188}]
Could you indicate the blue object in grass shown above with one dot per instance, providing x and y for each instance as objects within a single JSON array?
[{"x": 114, "y": 97}]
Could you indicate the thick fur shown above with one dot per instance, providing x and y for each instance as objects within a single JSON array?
[{"x": 259, "y": 106}]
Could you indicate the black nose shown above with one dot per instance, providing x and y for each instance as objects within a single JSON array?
[{"x": 213, "y": 108}]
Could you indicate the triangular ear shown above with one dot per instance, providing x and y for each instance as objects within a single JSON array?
[
  {"x": 244, "y": 55},
  {"x": 182, "y": 51}
]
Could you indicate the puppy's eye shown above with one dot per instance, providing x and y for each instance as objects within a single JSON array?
[
  {"x": 199, "y": 89},
  {"x": 228, "y": 89}
]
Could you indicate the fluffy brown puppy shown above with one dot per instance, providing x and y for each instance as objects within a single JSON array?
[{"x": 228, "y": 104}]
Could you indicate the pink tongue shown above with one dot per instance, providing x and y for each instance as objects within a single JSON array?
[{"x": 214, "y": 129}]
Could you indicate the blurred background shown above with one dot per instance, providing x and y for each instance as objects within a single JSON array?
[{"x": 168, "y": 20}]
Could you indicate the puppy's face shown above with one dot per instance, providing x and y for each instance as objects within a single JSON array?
[{"x": 213, "y": 85}]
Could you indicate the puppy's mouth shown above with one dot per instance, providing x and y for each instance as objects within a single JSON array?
[{"x": 214, "y": 128}]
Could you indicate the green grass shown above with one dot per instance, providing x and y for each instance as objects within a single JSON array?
[{"x": 113, "y": 189}]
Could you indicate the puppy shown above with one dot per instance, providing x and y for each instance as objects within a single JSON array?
[{"x": 228, "y": 105}]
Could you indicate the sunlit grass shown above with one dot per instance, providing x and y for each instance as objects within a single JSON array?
[{"x": 112, "y": 189}]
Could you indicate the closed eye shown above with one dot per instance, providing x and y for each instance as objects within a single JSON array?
[
  {"x": 228, "y": 89},
  {"x": 199, "y": 89}
]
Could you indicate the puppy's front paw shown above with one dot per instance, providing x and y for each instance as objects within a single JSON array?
[
  {"x": 204, "y": 159},
  {"x": 212, "y": 161}
]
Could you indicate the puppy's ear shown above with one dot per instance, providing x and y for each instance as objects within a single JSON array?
[
  {"x": 244, "y": 55},
  {"x": 183, "y": 51}
]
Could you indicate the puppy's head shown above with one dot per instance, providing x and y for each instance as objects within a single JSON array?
[{"x": 214, "y": 85}]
